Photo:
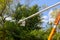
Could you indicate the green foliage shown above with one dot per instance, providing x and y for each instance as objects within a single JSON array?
[
  {"x": 4, "y": 3},
  {"x": 14, "y": 31},
  {"x": 54, "y": 13}
]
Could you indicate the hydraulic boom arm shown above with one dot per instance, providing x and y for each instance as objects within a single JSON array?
[{"x": 54, "y": 27}]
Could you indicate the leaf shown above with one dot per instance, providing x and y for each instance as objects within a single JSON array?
[{"x": 54, "y": 13}]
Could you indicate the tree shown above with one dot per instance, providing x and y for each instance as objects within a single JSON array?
[
  {"x": 23, "y": 11},
  {"x": 3, "y": 7},
  {"x": 12, "y": 30}
]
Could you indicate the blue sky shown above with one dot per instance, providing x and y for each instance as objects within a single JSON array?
[{"x": 40, "y": 3}]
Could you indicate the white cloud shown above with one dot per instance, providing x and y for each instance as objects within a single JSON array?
[
  {"x": 50, "y": 17},
  {"x": 50, "y": 12},
  {"x": 51, "y": 20},
  {"x": 45, "y": 19},
  {"x": 8, "y": 18}
]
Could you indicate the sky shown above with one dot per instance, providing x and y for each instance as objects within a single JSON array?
[{"x": 40, "y": 3}]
